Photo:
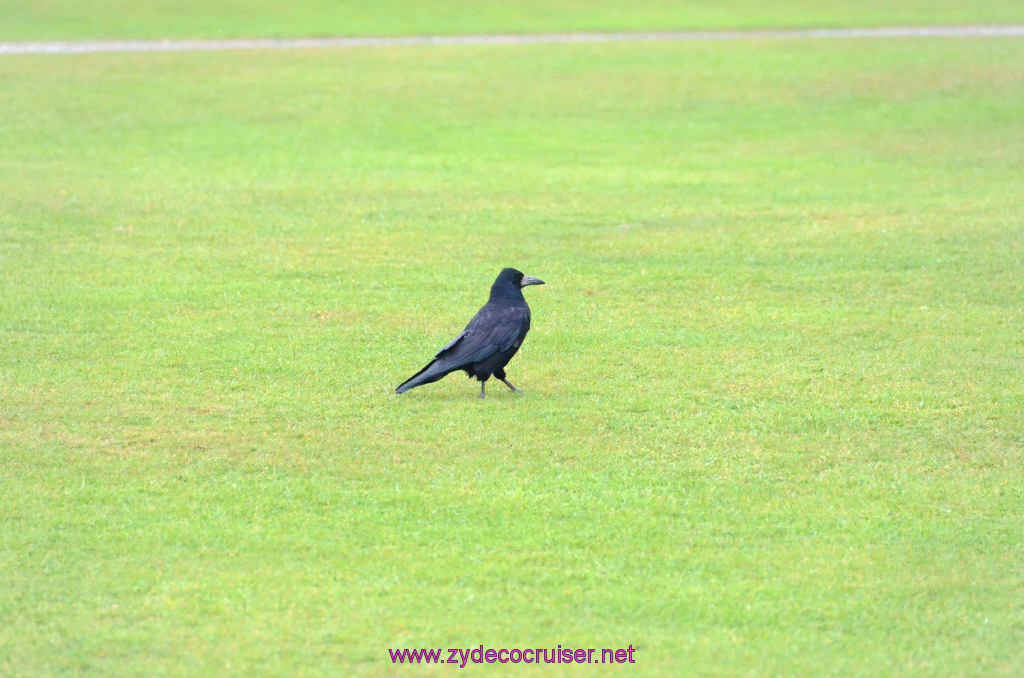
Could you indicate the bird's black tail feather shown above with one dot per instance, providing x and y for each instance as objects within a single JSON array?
[{"x": 429, "y": 374}]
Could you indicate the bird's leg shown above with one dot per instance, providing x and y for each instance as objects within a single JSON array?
[
  {"x": 509, "y": 384},
  {"x": 482, "y": 383}
]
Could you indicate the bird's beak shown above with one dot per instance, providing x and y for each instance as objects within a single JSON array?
[{"x": 530, "y": 280}]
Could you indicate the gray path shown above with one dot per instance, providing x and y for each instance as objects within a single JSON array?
[{"x": 91, "y": 47}]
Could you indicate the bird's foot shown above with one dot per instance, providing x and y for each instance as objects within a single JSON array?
[{"x": 509, "y": 384}]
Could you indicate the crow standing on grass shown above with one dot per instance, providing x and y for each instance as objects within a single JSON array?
[{"x": 490, "y": 339}]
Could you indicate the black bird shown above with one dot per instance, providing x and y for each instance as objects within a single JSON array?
[{"x": 490, "y": 339}]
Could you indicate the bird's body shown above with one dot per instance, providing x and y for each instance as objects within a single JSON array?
[{"x": 490, "y": 339}]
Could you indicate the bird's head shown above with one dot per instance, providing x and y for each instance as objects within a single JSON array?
[
  {"x": 517, "y": 278},
  {"x": 510, "y": 283}
]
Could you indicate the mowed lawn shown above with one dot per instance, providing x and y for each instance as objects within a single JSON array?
[
  {"x": 772, "y": 420},
  {"x": 75, "y": 19}
]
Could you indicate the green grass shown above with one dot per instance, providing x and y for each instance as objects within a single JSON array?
[
  {"x": 75, "y": 19},
  {"x": 772, "y": 412}
]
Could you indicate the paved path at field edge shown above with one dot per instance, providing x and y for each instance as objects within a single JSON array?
[{"x": 91, "y": 47}]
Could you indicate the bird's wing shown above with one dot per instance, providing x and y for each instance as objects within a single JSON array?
[
  {"x": 493, "y": 329},
  {"x": 450, "y": 345}
]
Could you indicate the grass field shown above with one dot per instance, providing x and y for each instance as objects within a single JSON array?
[
  {"x": 772, "y": 420},
  {"x": 70, "y": 19}
]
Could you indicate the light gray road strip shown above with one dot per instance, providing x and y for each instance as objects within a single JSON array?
[{"x": 93, "y": 47}]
